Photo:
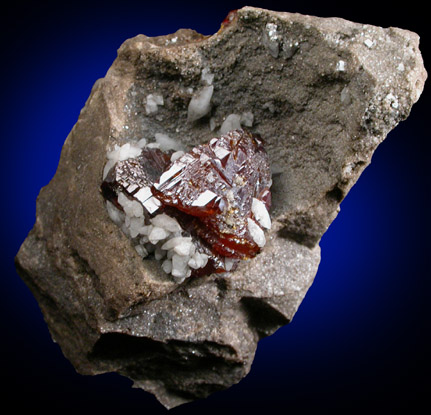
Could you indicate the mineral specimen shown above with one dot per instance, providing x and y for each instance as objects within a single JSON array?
[{"x": 323, "y": 93}]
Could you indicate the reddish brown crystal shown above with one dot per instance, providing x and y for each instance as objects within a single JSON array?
[
  {"x": 216, "y": 183},
  {"x": 131, "y": 175},
  {"x": 208, "y": 190}
]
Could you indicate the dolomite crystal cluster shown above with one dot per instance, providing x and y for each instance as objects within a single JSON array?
[{"x": 322, "y": 93}]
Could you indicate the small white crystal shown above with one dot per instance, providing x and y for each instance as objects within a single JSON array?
[
  {"x": 141, "y": 251},
  {"x": 153, "y": 101},
  {"x": 173, "y": 242},
  {"x": 256, "y": 233},
  {"x": 125, "y": 229},
  {"x": 179, "y": 265},
  {"x": 108, "y": 166},
  {"x": 212, "y": 124},
  {"x": 115, "y": 214},
  {"x": 177, "y": 279},
  {"x": 261, "y": 214},
  {"x": 167, "y": 143},
  {"x": 198, "y": 260},
  {"x": 200, "y": 104},
  {"x": 146, "y": 230},
  {"x": 158, "y": 99},
  {"x": 204, "y": 259},
  {"x": 131, "y": 207},
  {"x": 127, "y": 151},
  {"x": 166, "y": 222},
  {"x": 368, "y": 43},
  {"x": 184, "y": 248},
  {"x": 157, "y": 234},
  {"x": 269, "y": 106},
  {"x": 232, "y": 122},
  {"x": 193, "y": 263},
  {"x": 143, "y": 240},
  {"x": 247, "y": 119},
  {"x": 272, "y": 31},
  {"x": 229, "y": 263},
  {"x": 127, "y": 221},
  {"x": 141, "y": 143},
  {"x": 124, "y": 152},
  {"x": 341, "y": 66},
  {"x": 136, "y": 225},
  {"x": 153, "y": 145},
  {"x": 271, "y": 39},
  {"x": 206, "y": 76},
  {"x": 167, "y": 266},
  {"x": 175, "y": 156}
]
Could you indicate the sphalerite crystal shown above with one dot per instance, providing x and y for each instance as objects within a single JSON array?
[{"x": 200, "y": 212}]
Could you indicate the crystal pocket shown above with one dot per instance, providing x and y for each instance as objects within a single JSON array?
[{"x": 198, "y": 212}]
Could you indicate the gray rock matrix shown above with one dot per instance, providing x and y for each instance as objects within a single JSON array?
[{"x": 324, "y": 92}]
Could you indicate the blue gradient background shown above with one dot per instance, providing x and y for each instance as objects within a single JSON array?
[{"x": 358, "y": 343}]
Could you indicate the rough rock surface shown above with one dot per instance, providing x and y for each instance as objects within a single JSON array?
[{"x": 322, "y": 92}]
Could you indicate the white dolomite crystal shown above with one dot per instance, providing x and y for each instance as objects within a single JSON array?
[
  {"x": 167, "y": 143},
  {"x": 232, "y": 122},
  {"x": 167, "y": 222},
  {"x": 206, "y": 76},
  {"x": 153, "y": 102},
  {"x": 200, "y": 103},
  {"x": 157, "y": 234},
  {"x": 261, "y": 214},
  {"x": 173, "y": 242},
  {"x": 256, "y": 233},
  {"x": 131, "y": 207}
]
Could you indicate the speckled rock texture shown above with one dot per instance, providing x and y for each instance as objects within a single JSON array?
[{"x": 323, "y": 93}]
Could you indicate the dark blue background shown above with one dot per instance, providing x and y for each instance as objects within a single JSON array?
[{"x": 359, "y": 340}]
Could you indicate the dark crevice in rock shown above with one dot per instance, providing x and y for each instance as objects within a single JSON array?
[
  {"x": 262, "y": 317},
  {"x": 114, "y": 346},
  {"x": 335, "y": 194},
  {"x": 144, "y": 359},
  {"x": 298, "y": 233},
  {"x": 222, "y": 286},
  {"x": 117, "y": 346}
]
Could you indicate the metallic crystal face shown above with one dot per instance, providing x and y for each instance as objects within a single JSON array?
[{"x": 219, "y": 192}]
